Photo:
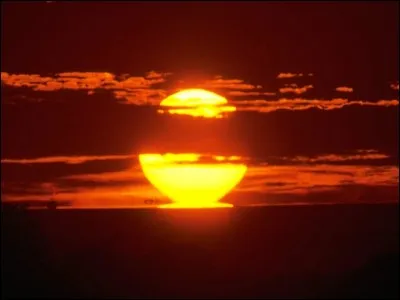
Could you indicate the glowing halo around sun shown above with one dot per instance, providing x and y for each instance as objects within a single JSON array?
[
  {"x": 190, "y": 183},
  {"x": 196, "y": 103}
]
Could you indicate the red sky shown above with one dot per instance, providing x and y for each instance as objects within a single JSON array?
[{"x": 315, "y": 86}]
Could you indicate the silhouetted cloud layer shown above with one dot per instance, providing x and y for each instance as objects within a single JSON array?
[
  {"x": 303, "y": 175},
  {"x": 152, "y": 88}
]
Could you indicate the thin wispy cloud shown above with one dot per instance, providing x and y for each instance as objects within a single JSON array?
[
  {"x": 298, "y": 104},
  {"x": 362, "y": 154},
  {"x": 141, "y": 96},
  {"x": 98, "y": 197},
  {"x": 293, "y": 88},
  {"x": 133, "y": 89},
  {"x": 246, "y": 94},
  {"x": 300, "y": 179},
  {"x": 118, "y": 176},
  {"x": 231, "y": 84},
  {"x": 154, "y": 75},
  {"x": 344, "y": 89},
  {"x": 82, "y": 81},
  {"x": 129, "y": 188},
  {"x": 64, "y": 159},
  {"x": 291, "y": 75},
  {"x": 339, "y": 158},
  {"x": 150, "y": 90}
]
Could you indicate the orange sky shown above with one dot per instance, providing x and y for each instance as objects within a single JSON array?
[
  {"x": 312, "y": 112},
  {"x": 129, "y": 188}
]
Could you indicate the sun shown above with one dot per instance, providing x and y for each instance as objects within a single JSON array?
[
  {"x": 190, "y": 180},
  {"x": 196, "y": 103},
  {"x": 190, "y": 183}
]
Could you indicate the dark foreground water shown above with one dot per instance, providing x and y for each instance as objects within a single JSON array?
[{"x": 274, "y": 252}]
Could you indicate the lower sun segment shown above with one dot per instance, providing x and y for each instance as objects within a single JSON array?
[{"x": 191, "y": 184}]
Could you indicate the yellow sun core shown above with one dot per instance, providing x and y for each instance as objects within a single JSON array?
[{"x": 190, "y": 183}]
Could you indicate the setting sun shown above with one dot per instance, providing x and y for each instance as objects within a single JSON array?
[
  {"x": 196, "y": 103},
  {"x": 188, "y": 182}
]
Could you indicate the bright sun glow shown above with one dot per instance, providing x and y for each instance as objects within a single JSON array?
[
  {"x": 190, "y": 183},
  {"x": 197, "y": 103}
]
